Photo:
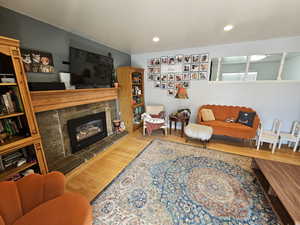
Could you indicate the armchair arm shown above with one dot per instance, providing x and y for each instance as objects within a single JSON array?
[{"x": 1, "y": 221}]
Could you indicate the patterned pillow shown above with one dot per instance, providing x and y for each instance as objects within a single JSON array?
[
  {"x": 207, "y": 115},
  {"x": 246, "y": 118}
]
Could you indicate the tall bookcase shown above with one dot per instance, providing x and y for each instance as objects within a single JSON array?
[
  {"x": 131, "y": 96},
  {"x": 20, "y": 142}
]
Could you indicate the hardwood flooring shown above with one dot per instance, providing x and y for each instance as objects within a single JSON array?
[{"x": 93, "y": 176}]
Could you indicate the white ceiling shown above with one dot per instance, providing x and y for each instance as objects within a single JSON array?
[{"x": 129, "y": 25}]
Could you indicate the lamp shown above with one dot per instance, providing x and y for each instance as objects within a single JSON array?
[{"x": 181, "y": 92}]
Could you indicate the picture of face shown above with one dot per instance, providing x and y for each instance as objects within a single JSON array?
[
  {"x": 164, "y": 78},
  {"x": 150, "y": 76},
  {"x": 164, "y": 60},
  {"x": 150, "y": 70},
  {"x": 179, "y": 58},
  {"x": 171, "y": 92},
  {"x": 203, "y": 76},
  {"x": 194, "y": 67},
  {"x": 156, "y": 77},
  {"x": 204, "y": 67},
  {"x": 156, "y": 61},
  {"x": 163, "y": 85},
  {"x": 171, "y": 60},
  {"x": 204, "y": 58},
  {"x": 171, "y": 77},
  {"x": 195, "y": 76},
  {"x": 157, "y": 84},
  {"x": 187, "y": 59},
  {"x": 186, "y": 68},
  {"x": 195, "y": 58},
  {"x": 151, "y": 62},
  {"x": 186, "y": 76},
  {"x": 170, "y": 84},
  {"x": 178, "y": 77},
  {"x": 186, "y": 84}
]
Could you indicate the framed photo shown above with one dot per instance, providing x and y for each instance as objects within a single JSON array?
[
  {"x": 150, "y": 76},
  {"x": 179, "y": 58},
  {"x": 164, "y": 78},
  {"x": 186, "y": 76},
  {"x": 187, "y": 59},
  {"x": 171, "y": 60},
  {"x": 164, "y": 60},
  {"x": 156, "y": 77},
  {"x": 186, "y": 84},
  {"x": 151, "y": 62},
  {"x": 204, "y": 58},
  {"x": 150, "y": 69},
  {"x": 203, "y": 76},
  {"x": 171, "y": 92},
  {"x": 203, "y": 66},
  {"x": 194, "y": 67},
  {"x": 171, "y": 84},
  {"x": 178, "y": 77},
  {"x": 37, "y": 61},
  {"x": 157, "y": 61},
  {"x": 194, "y": 76},
  {"x": 156, "y": 70},
  {"x": 163, "y": 85},
  {"x": 195, "y": 58},
  {"x": 171, "y": 77},
  {"x": 156, "y": 84},
  {"x": 186, "y": 68}
]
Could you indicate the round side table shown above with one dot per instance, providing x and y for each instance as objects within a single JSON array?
[{"x": 184, "y": 120}]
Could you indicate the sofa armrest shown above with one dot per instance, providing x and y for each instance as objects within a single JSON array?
[
  {"x": 1, "y": 221},
  {"x": 54, "y": 185}
]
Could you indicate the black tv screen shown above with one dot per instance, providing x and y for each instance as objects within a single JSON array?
[{"x": 90, "y": 70}]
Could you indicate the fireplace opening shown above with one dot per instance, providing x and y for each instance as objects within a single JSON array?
[{"x": 86, "y": 130}]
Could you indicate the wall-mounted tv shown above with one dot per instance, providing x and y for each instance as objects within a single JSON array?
[{"x": 90, "y": 70}]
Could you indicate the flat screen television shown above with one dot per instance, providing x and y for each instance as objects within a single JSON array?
[{"x": 90, "y": 70}]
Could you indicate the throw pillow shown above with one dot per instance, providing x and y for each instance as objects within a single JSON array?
[
  {"x": 207, "y": 115},
  {"x": 246, "y": 118}
]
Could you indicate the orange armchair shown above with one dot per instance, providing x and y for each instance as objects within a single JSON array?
[{"x": 37, "y": 199}]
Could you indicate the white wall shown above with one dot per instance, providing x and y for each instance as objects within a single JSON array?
[{"x": 270, "y": 100}]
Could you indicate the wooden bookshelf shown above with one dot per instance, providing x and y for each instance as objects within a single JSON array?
[
  {"x": 127, "y": 96},
  {"x": 27, "y": 135}
]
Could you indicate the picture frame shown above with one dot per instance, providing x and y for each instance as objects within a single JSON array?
[
  {"x": 194, "y": 67},
  {"x": 194, "y": 75},
  {"x": 163, "y": 85},
  {"x": 179, "y": 59},
  {"x": 170, "y": 85},
  {"x": 204, "y": 58},
  {"x": 156, "y": 77},
  {"x": 187, "y": 59},
  {"x": 157, "y": 61},
  {"x": 186, "y": 76},
  {"x": 164, "y": 60},
  {"x": 150, "y": 69},
  {"x": 203, "y": 76},
  {"x": 203, "y": 67},
  {"x": 171, "y": 92},
  {"x": 156, "y": 70},
  {"x": 186, "y": 68},
  {"x": 150, "y": 76},
  {"x": 163, "y": 77},
  {"x": 157, "y": 84},
  {"x": 151, "y": 62},
  {"x": 36, "y": 61},
  {"x": 195, "y": 58},
  {"x": 178, "y": 77},
  {"x": 186, "y": 84},
  {"x": 171, "y": 60},
  {"x": 171, "y": 77}
]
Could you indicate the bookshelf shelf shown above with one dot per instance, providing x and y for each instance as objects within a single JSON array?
[
  {"x": 8, "y": 84},
  {"x": 13, "y": 171},
  {"x": 11, "y": 115}
]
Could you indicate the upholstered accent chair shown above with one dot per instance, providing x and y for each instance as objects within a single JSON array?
[
  {"x": 154, "y": 118},
  {"x": 42, "y": 200}
]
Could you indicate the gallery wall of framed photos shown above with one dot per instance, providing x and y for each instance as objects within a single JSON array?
[{"x": 171, "y": 72}]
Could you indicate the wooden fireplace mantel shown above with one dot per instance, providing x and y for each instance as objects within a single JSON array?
[{"x": 59, "y": 99}]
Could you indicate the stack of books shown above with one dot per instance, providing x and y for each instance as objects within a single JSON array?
[
  {"x": 13, "y": 127},
  {"x": 10, "y": 102}
]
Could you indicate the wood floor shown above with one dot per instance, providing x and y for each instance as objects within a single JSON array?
[{"x": 93, "y": 176}]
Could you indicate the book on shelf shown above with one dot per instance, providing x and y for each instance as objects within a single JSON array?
[{"x": 10, "y": 102}]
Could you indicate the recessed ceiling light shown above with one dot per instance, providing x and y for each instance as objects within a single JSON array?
[
  {"x": 155, "y": 39},
  {"x": 228, "y": 27},
  {"x": 257, "y": 57}
]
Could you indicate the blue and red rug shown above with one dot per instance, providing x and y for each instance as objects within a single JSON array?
[{"x": 177, "y": 184}]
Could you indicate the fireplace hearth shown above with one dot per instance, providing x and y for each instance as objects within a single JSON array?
[{"x": 86, "y": 130}]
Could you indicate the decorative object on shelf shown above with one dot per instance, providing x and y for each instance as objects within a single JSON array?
[
  {"x": 117, "y": 124},
  {"x": 37, "y": 61},
  {"x": 66, "y": 79},
  {"x": 178, "y": 69},
  {"x": 2, "y": 137}
]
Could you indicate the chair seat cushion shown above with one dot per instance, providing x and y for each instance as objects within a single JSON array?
[
  {"x": 68, "y": 209},
  {"x": 197, "y": 131}
]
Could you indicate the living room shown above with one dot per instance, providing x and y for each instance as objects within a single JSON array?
[{"x": 174, "y": 125}]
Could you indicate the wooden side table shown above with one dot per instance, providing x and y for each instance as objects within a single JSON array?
[{"x": 183, "y": 120}]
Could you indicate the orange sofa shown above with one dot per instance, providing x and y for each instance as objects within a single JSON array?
[
  {"x": 220, "y": 127},
  {"x": 41, "y": 200}
]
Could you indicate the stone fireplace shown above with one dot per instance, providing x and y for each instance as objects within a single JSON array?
[{"x": 72, "y": 135}]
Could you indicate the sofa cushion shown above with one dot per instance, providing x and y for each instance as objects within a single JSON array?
[
  {"x": 68, "y": 209},
  {"x": 207, "y": 115}
]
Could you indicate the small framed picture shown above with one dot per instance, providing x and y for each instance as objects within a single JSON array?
[
  {"x": 164, "y": 78},
  {"x": 194, "y": 76},
  {"x": 171, "y": 92},
  {"x": 157, "y": 61},
  {"x": 194, "y": 67},
  {"x": 150, "y": 69},
  {"x": 203, "y": 76},
  {"x": 156, "y": 77},
  {"x": 156, "y": 84},
  {"x": 204, "y": 58},
  {"x": 187, "y": 59},
  {"x": 171, "y": 60},
  {"x": 163, "y": 85},
  {"x": 186, "y": 84},
  {"x": 186, "y": 68},
  {"x": 171, "y": 77},
  {"x": 179, "y": 59},
  {"x": 151, "y": 62},
  {"x": 164, "y": 60},
  {"x": 195, "y": 58},
  {"x": 156, "y": 70},
  {"x": 203, "y": 66},
  {"x": 150, "y": 76},
  {"x": 186, "y": 76},
  {"x": 171, "y": 84},
  {"x": 178, "y": 77}
]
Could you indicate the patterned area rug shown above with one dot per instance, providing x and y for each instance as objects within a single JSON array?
[{"x": 171, "y": 183}]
